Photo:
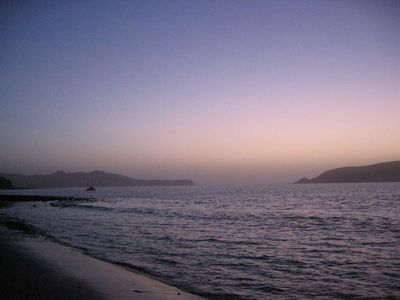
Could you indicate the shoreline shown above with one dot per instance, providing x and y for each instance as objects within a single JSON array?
[
  {"x": 54, "y": 270},
  {"x": 24, "y": 276},
  {"x": 57, "y": 271}
]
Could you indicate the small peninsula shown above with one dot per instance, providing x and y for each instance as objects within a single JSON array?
[
  {"x": 81, "y": 179},
  {"x": 381, "y": 172}
]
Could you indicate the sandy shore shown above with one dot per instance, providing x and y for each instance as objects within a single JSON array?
[{"x": 33, "y": 267}]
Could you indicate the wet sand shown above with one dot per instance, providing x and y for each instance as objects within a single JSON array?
[{"x": 33, "y": 267}]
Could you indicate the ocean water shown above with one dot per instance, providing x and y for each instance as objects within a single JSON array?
[{"x": 322, "y": 241}]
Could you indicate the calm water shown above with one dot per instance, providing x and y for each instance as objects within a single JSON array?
[{"x": 264, "y": 242}]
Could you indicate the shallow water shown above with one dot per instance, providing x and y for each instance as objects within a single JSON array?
[{"x": 322, "y": 241}]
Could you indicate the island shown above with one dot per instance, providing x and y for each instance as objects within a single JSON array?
[
  {"x": 62, "y": 179},
  {"x": 381, "y": 172}
]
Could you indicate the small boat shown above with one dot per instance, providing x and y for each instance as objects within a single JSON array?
[{"x": 90, "y": 189}]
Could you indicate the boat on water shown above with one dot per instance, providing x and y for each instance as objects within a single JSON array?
[{"x": 90, "y": 188}]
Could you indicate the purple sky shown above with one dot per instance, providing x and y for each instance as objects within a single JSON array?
[{"x": 216, "y": 91}]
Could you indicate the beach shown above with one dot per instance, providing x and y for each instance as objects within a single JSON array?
[
  {"x": 34, "y": 267},
  {"x": 311, "y": 241}
]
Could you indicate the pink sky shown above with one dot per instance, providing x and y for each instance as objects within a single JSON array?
[{"x": 227, "y": 92}]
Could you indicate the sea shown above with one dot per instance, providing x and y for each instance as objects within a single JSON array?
[{"x": 312, "y": 241}]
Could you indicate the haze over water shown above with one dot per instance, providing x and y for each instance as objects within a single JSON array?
[{"x": 214, "y": 91}]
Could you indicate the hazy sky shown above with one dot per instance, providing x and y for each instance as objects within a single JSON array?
[{"x": 216, "y": 91}]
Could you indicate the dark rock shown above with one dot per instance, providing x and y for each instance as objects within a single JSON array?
[{"x": 6, "y": 184}]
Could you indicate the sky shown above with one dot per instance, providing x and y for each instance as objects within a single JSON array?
[{"x": 215, "y": 91}]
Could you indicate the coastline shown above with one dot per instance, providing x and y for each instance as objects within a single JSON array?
[
  {"x": 34, "y": 266},
  {"x": 24, "y": 276}
]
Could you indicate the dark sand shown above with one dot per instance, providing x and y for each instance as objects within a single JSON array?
[
  {"x": 23, "y": 276},
  {"x": 33, "y": 267}
]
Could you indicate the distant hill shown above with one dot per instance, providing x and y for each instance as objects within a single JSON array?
[
  {"x": 5, "y": 184},
  {"x": 382, "y": 172},
  {"x": 81, "y": 179}
]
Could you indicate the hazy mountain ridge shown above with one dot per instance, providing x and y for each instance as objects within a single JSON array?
[
  {"x": 82, "y": 179},
  {"x": 381, "y": 172}
]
